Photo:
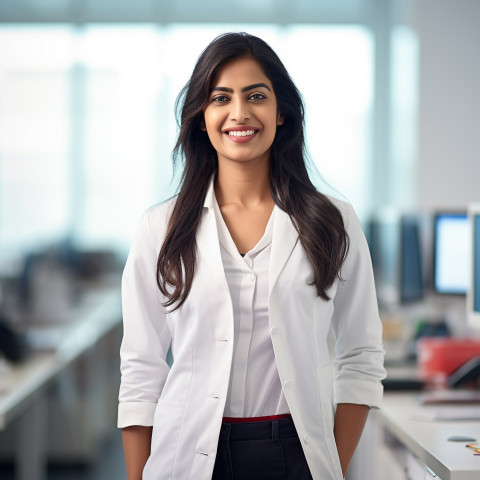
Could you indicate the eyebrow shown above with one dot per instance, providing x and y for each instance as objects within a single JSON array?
[{"x": 244, "y": 89}]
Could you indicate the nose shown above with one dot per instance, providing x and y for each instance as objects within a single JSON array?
[{"x": 239, "y": 110}]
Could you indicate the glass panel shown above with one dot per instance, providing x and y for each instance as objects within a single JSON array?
[
  {"x": 34, "y": 136},
  {"x": 404, "y": 108},
  {"x": 121, "y": 124},
  {"x": 333, "y": 68}
]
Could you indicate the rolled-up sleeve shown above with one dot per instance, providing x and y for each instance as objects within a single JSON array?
[
  {"x": 356, "y": 325},
  {"x": 146, "y": 336}
]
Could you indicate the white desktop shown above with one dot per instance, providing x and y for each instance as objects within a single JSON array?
[{"x": 413, "y": 440}]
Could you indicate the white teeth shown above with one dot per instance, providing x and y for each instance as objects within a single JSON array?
[{"x": 240, "y": 133}]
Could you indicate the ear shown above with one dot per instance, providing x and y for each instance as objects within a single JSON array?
[
  {"x": 280, "y": 119},
  {"x": 202, "y": 125}
]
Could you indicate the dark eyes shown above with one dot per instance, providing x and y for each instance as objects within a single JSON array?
[
  {"x": 220, "y": 99},
  {"x": 253, "y": 97},
  {"x": 257, "y": 96}
]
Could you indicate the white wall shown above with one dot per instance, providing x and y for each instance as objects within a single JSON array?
[{"x": 449, "y": 102}]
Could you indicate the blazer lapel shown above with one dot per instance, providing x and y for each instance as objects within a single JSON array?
[
  {"x": 284, "y": 240},
  {"x": 207, "y": 239}
]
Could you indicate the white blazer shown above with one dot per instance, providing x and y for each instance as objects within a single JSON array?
[{"x": 185, "y": 403}]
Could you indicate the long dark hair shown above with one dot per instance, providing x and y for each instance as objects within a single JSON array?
[{"x": 318, "y": 222}]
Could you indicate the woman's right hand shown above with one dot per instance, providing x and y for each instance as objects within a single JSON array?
[{"x": 136, "y": 448}]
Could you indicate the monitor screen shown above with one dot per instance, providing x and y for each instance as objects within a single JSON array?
[
  {"x": 396, "y": 248},
  {"x": 411, "y": 271},
  {"x": 383, "y": 242},
  {"x": 451, "y": 253},
  {"x": 473, "y": 296},
  {"x": 476, "y": 264}
]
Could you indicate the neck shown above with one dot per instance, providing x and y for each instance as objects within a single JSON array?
[{"x": 243, "y": 184}]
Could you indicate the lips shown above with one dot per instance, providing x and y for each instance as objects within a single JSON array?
[{"x": 241, "y": 134}]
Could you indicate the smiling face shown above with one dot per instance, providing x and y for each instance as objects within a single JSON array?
[{"x": 241, "y": 115}]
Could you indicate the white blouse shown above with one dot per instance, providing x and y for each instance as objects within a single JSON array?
[{"x": 254, "y": 388}]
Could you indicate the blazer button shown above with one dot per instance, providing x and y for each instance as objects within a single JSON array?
[
  {"x": 274, "y": 330},
  {"x": 305, "y": 439},
  {"x": 287, "y": 384}
]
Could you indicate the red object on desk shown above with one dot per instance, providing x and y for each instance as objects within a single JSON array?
[{"x": 442, "y": 356}]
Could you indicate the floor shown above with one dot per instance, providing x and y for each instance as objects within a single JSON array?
[{"x": 110, "y": 467}]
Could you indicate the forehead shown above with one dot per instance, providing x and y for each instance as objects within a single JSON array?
[{"x": 240, "y": 71}]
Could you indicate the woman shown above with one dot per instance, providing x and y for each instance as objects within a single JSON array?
[{"x": 243, "y": 274}]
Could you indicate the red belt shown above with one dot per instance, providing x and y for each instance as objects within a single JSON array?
[{"x": 268, "y": 418}]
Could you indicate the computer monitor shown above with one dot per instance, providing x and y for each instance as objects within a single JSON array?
[
  {"x": 473, "y": 294},
  {"x": 411, "y": 261},
  {"x": 383, "y": 240},
  {"x": 395, "y": 242},
  {"x": 451, "y": 272}
]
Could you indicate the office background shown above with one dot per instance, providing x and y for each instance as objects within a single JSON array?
[{"x": 87, "y": 92}]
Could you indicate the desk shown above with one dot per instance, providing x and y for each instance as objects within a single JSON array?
[
  {"x": 23, "y": 391},
  {"x": 427, "y": 440}
]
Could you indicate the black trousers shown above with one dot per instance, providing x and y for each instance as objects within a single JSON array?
[{"x": 268, "y": 450}]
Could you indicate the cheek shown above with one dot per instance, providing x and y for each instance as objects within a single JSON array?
[
  {"x": 212, "y": 125},
  {"x": 272, "y": 129},
  {"x": 212, "y": 120},
  {"x": 272, "y": 118}
]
